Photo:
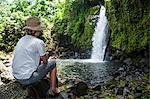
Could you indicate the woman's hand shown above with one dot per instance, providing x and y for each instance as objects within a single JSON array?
[
  {"x": 52, "y": 58},
  {"x": 44, "y": 58}
]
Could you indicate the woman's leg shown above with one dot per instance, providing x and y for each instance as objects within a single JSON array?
[{"x": 53, "y": 75}]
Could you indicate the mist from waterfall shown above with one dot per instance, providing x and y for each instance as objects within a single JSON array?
[{"x": 99, "y": 37}]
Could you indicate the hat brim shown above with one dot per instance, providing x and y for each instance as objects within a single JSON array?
[{"x": 37, "y": 28}]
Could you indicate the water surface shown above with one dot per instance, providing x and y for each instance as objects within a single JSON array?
[{"x": 92, "y": 72}]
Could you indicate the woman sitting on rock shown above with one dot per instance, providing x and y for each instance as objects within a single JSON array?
[{"x": 30, "y": 62}]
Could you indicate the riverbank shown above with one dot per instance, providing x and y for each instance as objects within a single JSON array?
[{"x": 127, "y": 82}]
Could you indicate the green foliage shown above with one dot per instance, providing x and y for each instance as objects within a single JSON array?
[
  {"x": 67, "y": 22},
  {"x": 73, "y": 20},
  {"x": 129, "y": 22},
  {"x": 70, "y": 22},
  {"x": 10, "y": 27},
  {"x": 13, "y": 16}
]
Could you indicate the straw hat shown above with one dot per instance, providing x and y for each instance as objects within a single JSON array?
[{"x": 33, "y": 23}]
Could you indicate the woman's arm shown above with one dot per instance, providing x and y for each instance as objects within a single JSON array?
[{"x": 44, "y": 58}]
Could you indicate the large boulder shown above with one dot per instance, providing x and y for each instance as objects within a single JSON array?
[{"x": 80, "y": 89}]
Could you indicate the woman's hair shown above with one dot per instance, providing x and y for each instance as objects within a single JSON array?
[{"x": 29, "y": 32}]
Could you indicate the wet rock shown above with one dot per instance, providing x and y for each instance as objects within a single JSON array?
[{"x": 80, "y": 89}]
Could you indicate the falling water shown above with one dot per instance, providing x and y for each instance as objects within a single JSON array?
[{"x": 99, "y": 37}]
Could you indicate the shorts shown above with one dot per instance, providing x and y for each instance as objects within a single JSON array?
[{"x": 39, "y": 74}]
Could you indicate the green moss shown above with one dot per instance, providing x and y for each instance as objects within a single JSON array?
[{"x": 128, "y": 20}]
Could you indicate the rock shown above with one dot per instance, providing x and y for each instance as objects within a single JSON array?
[
  {"x": 62, "y": 81},
  {"x": 107, "y": 94},
  {"x": 64, "y": 95},
  {"x": 117, "y": 61},
  {"x": 39, "y": 89},
  {"x": 1, "y": 96},
  {"x": 123, "y": 74},
  {"x": 110, "y": 58},
  {"x": 80, "y": 89},
  {"x": 126, "y": 84},
  {"x": 119, "y": 91},
  {"x": 95, "y": 97},
  {"x": 76, "y": 54},
  {"x": 7, "y": 74},
  {"x": 5, "y": 61},
  {"x": 5, "y": 81},
  {"x": 129, "y": 77},
  {"x": 128, "y": 61},
  {"x": 2, "y": 67},
  {"x": 1, "y": 83},
  {"x": 8, "y": 64},
  {"x": 119, "y": 97},
  {"x": 142, "y": 61},
  {"x": 97, "y": 88},
  {"x": 122, "y": 58},
  {"x": 138, "y": 95},
  {"x": 70, "y": 84},
  {"x": 56, "y": 97},
  {"x": 126, "y": 92},
  {"x": 110, "y": 84},
  {"x": 121, "y": 69},
  {"x": 138, "y": 92},
  {"x": 116, "y": 74},
  {"x": 3, "y": 58},
  {"x": 71, "y": 96},
  {"x": 12, "y": 90}
]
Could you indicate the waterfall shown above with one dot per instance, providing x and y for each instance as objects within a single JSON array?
[{"x": 99, "y": 37}]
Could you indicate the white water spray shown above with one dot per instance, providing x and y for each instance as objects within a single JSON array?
[{"x": 99, "y": 37}]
